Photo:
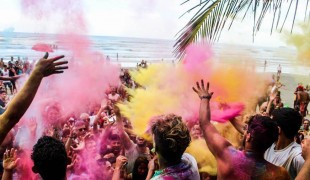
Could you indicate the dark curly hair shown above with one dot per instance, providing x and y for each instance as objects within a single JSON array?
[
  {"x": 171, "y": 136},
  {"x": 289, "y": 120},
  {"x": 50, "y": 158},
  {"x": 264, "y": 132}
]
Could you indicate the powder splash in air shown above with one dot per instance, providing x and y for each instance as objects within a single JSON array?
[
  {"x": 301, "y": 41},
  {"x": 168, "y": 89}
]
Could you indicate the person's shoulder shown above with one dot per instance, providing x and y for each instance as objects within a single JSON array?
[
  {"x": 281, "y": 173},
  {"x": 187, "y": 156}
]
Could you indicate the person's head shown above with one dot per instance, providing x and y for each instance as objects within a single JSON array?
[
  {"x": 261, "y": 132},
  {"x": 196, "y": 131},
  {"x": 140, "y": 141},
  {"x": 5, "y": 67},
  {"x": 113, "y": 90},
  {"x": 288, "y": 120},
  {"x": 85, "y": 117},
  {"x": 50, "y": 158},
  {"x": 115, "y": 143},
  {"x": 306, "y": 124},
  {"x": 80, "y": 128},
  {"x": 52, "y": 113},
  {"x": 171, "y": 137},
  {"x": 140, "y": 168},
  {"x": 300, "y": 88},
  {"x": 3, "y": 95}
]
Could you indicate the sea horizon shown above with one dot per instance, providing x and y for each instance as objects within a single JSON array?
[{"x": 128, "y": 51}]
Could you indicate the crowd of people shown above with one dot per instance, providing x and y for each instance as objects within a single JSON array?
[{"x": 101, "y": 143}]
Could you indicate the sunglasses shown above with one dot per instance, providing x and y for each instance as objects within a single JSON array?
[{"x": 82, "y": 129}]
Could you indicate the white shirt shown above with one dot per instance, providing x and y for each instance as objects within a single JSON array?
[{"x": 290, "y": 158}]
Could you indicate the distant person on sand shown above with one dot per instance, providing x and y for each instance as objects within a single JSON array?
[
  {"x": 1, "y": 63},
  {"x": 279, "y": 70},
  {"x": 265, "y": 65}
]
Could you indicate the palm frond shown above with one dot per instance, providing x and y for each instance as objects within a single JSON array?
[{"x": 212, "y": 16}]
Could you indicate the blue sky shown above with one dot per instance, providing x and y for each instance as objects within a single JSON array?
[{"x": 138, "y": 18}]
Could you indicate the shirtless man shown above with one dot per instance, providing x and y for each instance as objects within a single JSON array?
[
  {"x": 260, "y": 133},
  {"x": 302, "y": 100}
]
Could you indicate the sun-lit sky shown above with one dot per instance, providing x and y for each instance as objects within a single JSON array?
[{"x": 141, "y": 18}]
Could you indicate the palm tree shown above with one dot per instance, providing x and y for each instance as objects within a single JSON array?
[{"x": 212, "y": 16}]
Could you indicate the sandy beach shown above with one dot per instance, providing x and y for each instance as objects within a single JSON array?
[{"x": 291, "y": 81}]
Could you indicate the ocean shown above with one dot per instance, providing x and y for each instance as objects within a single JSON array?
[{"x": 130, "y": 51}]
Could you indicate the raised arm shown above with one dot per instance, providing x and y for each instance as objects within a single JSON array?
[
  {"x": 24, "y": 97},
  {"x": 272, "y": 96},
  {"x": 124, "y": 136},
  {"x": 216, "y": 143},
  {"x": 238, "y": 125}
]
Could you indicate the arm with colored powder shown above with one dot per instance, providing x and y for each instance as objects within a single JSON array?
[
  {"x": 23, "y": 99},
  {"x": 124, "y": 136},
  {"x": 216, "y": 143},
  {"x": 304, "y": 173},
  {"x": 98, "y": 116},
  {"x": 119, "y": 165}
]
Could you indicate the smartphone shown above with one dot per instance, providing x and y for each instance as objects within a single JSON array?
[{"x": 112, "y": 118}]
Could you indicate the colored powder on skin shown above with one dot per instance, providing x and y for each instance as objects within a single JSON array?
[{"x": 199, "y": 149}]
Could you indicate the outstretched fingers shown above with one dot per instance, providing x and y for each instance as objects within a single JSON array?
[
  {"x": 57, "y": 58},
  {"x": 5, "y": 155},
  {"x": 198, "y": 86},
  {"x": 60, "y": 63},
  {"x": 202, "y": 84}
]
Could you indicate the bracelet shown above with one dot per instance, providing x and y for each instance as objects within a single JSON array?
[{"x": 205, "y": 97}]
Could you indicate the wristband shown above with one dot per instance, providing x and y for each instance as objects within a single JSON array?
[{"x": 205, "y": 97}]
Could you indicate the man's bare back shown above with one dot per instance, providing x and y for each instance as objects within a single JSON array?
[
  {"x": 241, "y": 165},
  {"x": 303, "y": 97}
]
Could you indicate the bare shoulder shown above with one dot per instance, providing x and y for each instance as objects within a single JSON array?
[{"x": 278, "y": 172}]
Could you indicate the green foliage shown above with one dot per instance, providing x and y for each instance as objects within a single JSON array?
[{"x": 213, "y": 15}]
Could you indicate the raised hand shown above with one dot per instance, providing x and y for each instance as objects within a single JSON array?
[
  {"x": 121, "y": 161},
  {"x": 203, "y": 92},
  {"x": 50, "y": 66},
  {"x": 10, "y": 160}
]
